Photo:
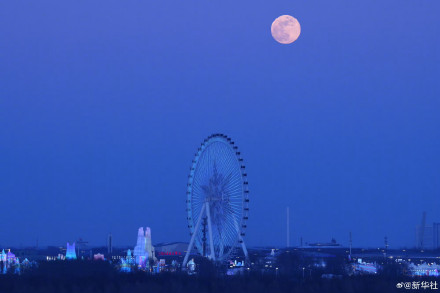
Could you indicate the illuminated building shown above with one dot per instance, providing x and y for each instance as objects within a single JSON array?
[
  {"x": 148, "y": 245},
  {"x": 127, "y": 263},
  {"x": 140, "y": 253},
  {"x": 98, "y": 256},
  {"x": 365, "y": 268},
  {"x": 17, "y": 266},
  {"x": 424, "y": 269},
  {"x": 191, "y": 266},
  {"x": 129, "y": 257},
  {"x": 125, "y": 267},
  {"x": 70, "y": 252},
  {"x": 10, "y": 257},
  {"x": 144, "y": 249}
]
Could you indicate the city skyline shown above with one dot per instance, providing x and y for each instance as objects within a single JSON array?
[{"x": 103, "y": 107}]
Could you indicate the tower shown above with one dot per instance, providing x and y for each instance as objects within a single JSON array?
[
  {"x": 288, "y": 227},
  {"x": 421, "y": 232},
  {"x": 109, "y": 244},
  {"x": 386, "y": 246},
  {"x": 351, "y": 244},
  {"x": 148, "y": 244}
]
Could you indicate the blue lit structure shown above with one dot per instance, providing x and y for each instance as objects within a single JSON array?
[
  {"x": 424, "y": 269},
  {"x": 144, "y": 250},
  {"x": 191, "y": 266},
  {"x": 128, "y": 263},
  {"x": 140, "y": 253},
  {"x": 10, "y": 257},
  {"x": 70, "y": 252},
  {"x": 17, "y": 266},
  {"x": 125, "y": 267}
]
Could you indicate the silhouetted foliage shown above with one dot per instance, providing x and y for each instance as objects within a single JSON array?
[
  {"x": 205, "y": 267},
  {"x": 392, "y": 269},
  {"x": 300, "y": 266},
  {"x": 99, "y": 277}
]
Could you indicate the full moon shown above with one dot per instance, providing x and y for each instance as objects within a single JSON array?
[{"x": 285, "y": 29}]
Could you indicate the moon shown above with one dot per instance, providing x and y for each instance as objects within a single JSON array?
[{"x": 285, "y": 29}]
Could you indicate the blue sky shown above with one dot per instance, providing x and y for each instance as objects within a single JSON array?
[{"x": 103, "y": 105}]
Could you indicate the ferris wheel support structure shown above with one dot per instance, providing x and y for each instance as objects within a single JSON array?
[{"x": 211, "y": 254}]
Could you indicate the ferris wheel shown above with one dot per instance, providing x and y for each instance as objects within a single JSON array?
[{"x": 217, "y": 201}]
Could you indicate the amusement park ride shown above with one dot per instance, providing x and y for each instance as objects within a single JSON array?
[{"x": 217, "y": 201}]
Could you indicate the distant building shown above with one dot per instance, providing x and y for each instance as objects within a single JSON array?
[
  {"x": 70, "y": 252},
  {"x": 98, "y": 256},
  {"x": 144, "y": 250},
  {"x": 10, "y": 257},
  {"x": 148, "y": 244},
  {"x": 83, "y": 250},
  {"x": 436, "y": 235},
  {"x": 365, "y": 268},
  {"x": 331, "y": 244},
  {"x": 171, "y": 249},
  {"x": 428, "y": 237},
  {"x": 140, "y": 253},
  {"x": 424, "y": 269}
]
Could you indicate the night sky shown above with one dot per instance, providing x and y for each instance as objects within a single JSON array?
[{"x": 104, "y": 103}]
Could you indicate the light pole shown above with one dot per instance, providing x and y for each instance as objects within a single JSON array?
[{"x": 303, "y": 271}]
